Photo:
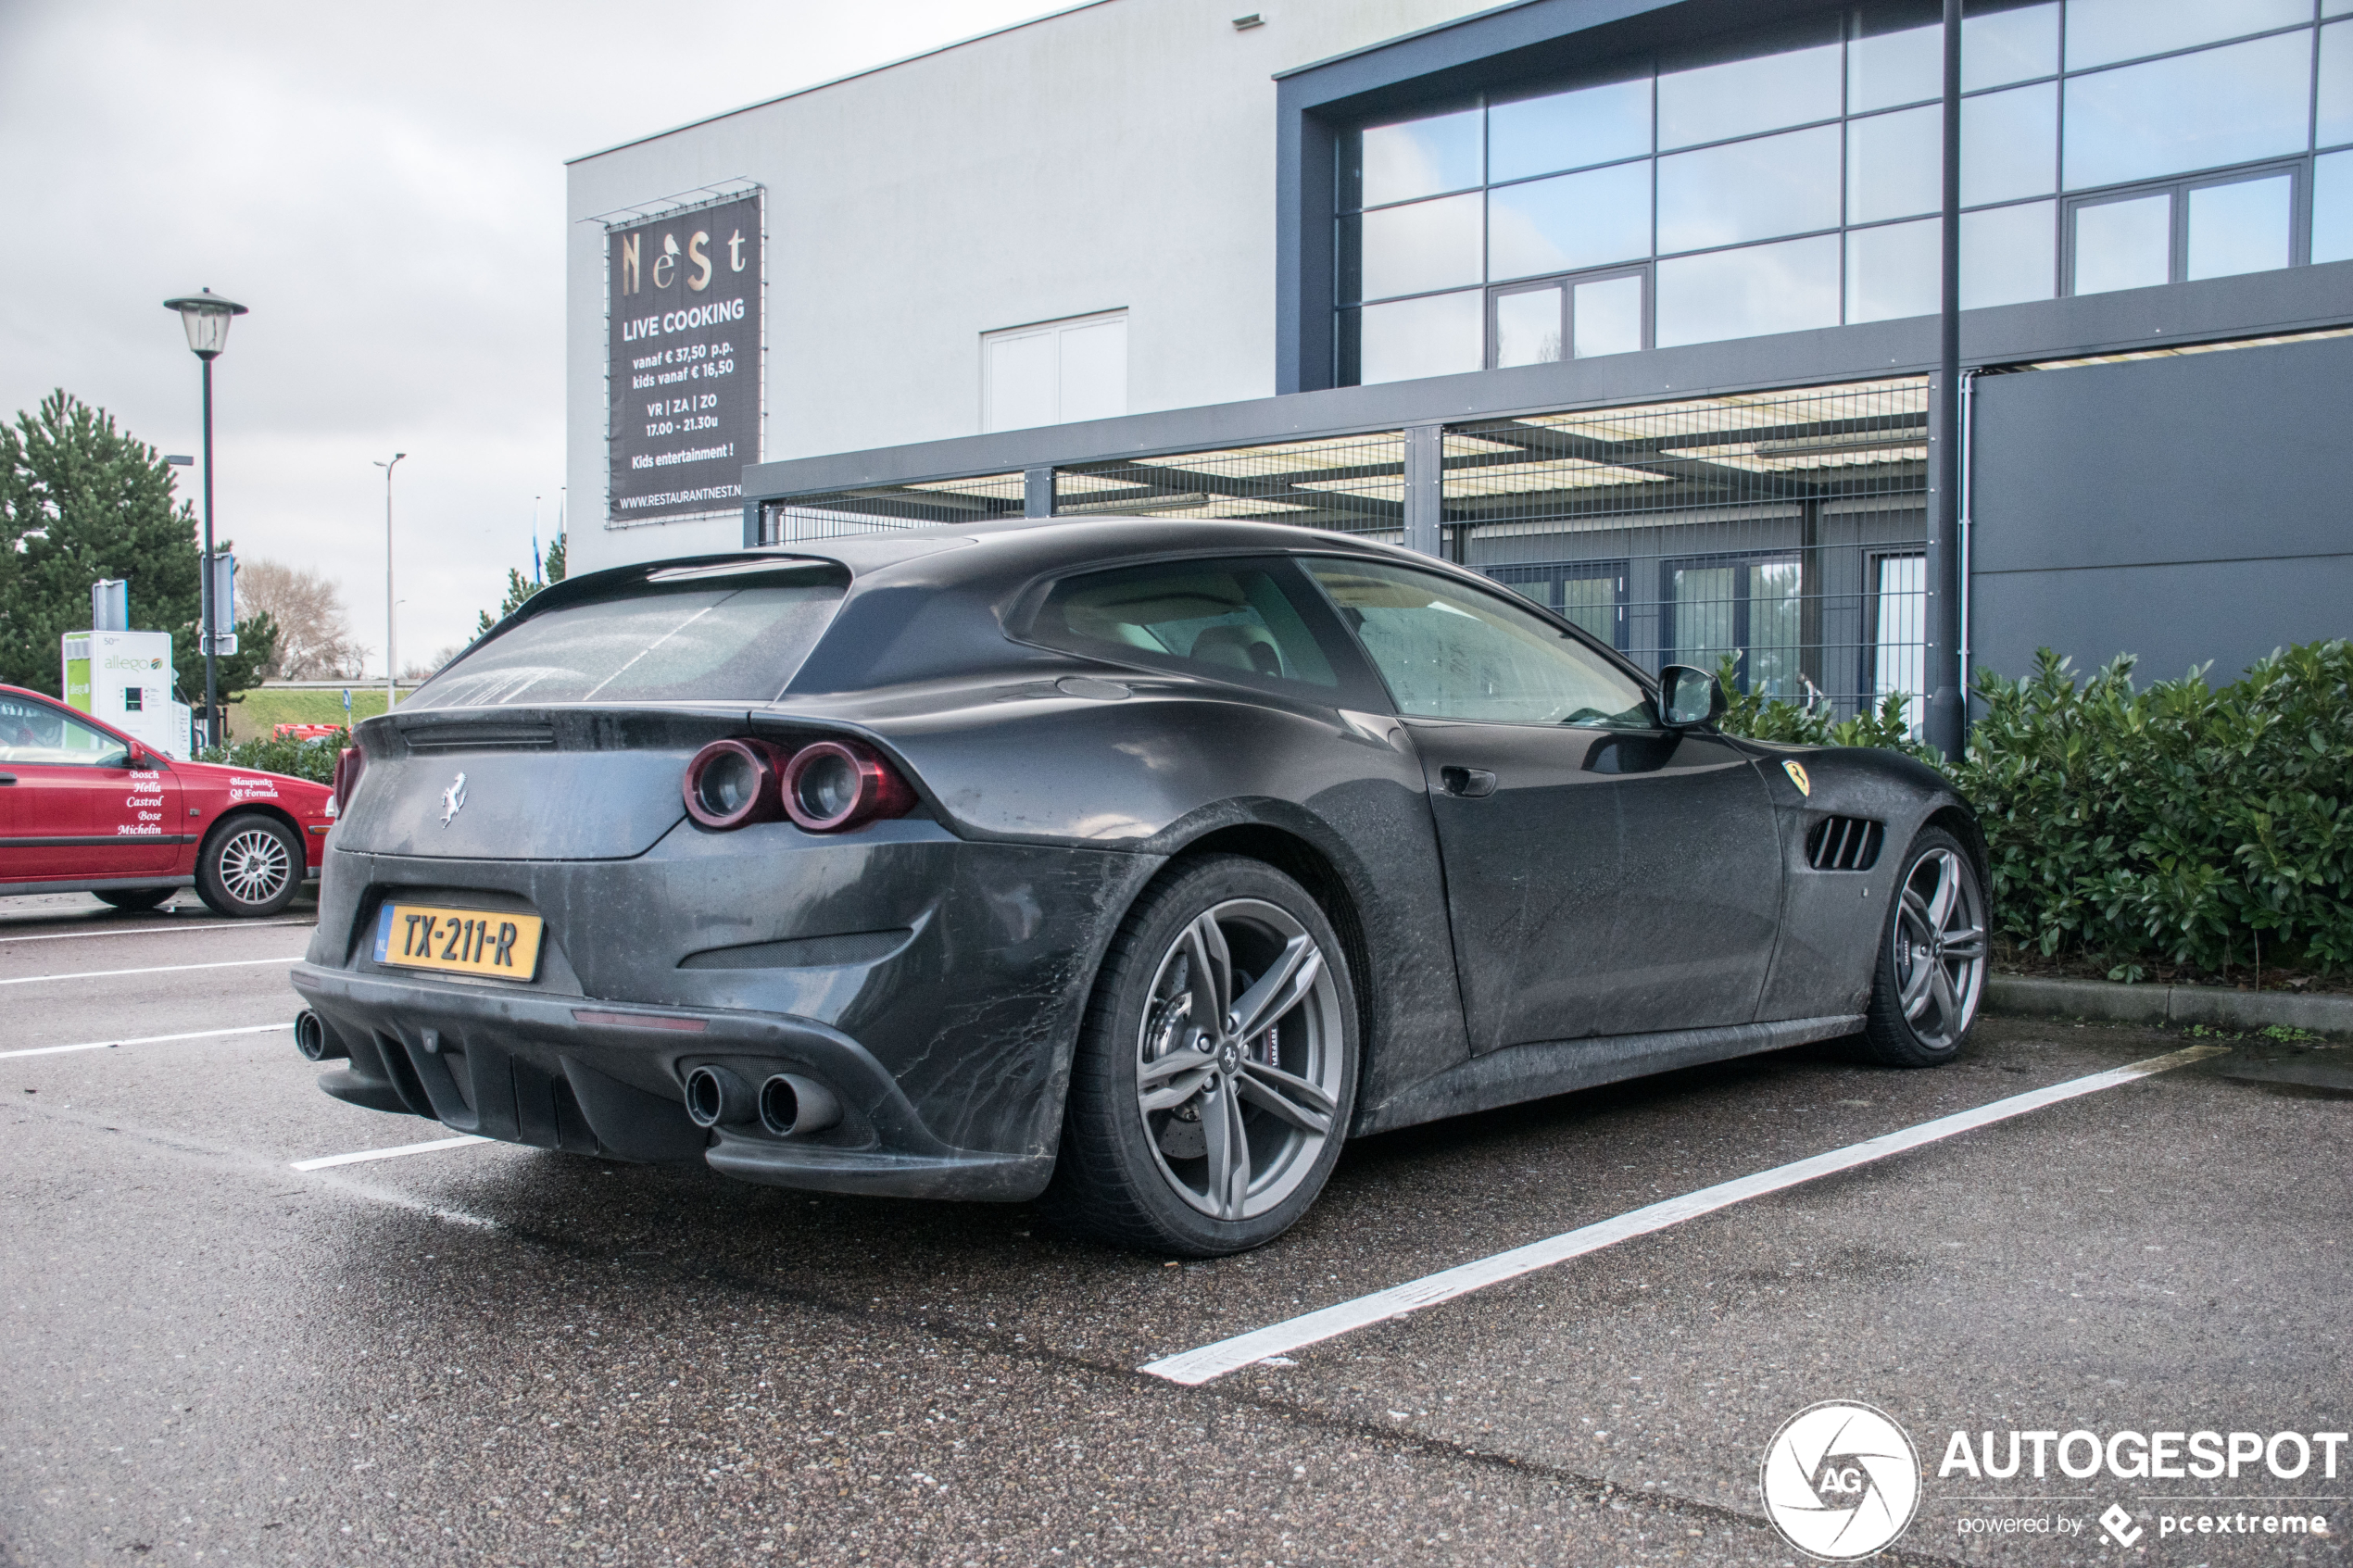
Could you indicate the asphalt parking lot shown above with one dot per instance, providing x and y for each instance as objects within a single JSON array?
[{"x": 486, "y": 1354}]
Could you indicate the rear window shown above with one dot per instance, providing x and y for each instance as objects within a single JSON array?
[{"x": 694, "y": 640}]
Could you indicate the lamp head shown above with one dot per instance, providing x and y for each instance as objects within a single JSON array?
[{"x": 206, "y": 317}]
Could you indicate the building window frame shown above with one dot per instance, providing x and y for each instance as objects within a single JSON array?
[{"x": 2298, "y": 168}]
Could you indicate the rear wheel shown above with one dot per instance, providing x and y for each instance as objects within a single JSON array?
[
  {"x": 1931, "y": 972},
  {"x": 1215, "y": 1070},
  {"x": 136, "y": 898},
  {"x": 251, "y": 865}
]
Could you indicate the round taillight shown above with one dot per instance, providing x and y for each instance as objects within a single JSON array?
[
  {"x": 833, "y": 785},
  {"x": 730, "y": 783}
]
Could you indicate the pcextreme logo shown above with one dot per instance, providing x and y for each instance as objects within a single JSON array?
[{"x": 1840, "y": 1480}]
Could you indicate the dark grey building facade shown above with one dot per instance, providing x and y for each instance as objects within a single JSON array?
[{"x": 1630, "y": 304}]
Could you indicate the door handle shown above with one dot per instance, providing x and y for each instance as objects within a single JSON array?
[
  {"x": 1471, "y": 783},
  {"x": 8, "y": 777}
]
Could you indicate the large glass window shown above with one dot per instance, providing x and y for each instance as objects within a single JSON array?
[
  {"x": 2333, "y": 208},
  {"x": 1715, "y": 102},
  {"x": 1569, "y": 222},
  {"x": 1747, "y": 293},
  {"x": 1735, "y": 187},
  {"x": 2205, "y": 111},
  {"x": 1748, "y": 610},
  {"x": 1753, "y": 190},
  {"x": 1572, "y": 129},
  {"x": 2101, "y": 33}
]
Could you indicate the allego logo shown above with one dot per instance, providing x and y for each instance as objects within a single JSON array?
[{"x": 1840, "y": 1480}]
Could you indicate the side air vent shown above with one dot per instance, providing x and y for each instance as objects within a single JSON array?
[
  {"x": 1845, "y": 844},
  {"x": 478, "y": 737}
]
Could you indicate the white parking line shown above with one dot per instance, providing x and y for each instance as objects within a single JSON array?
[
  {"x": 367, "y": 1154},
  {"x": 148, "y": 1040},
  {"x": 1210, "y": 1361},
  {"x": 157, "y": 930},
  {"x": 159, "y": 969}
]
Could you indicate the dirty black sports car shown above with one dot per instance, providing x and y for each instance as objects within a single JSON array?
[{"x": 1134, "y": 862}]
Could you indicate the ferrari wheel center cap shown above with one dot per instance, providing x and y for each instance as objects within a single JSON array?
[{"x": 1229, "y": 1057}]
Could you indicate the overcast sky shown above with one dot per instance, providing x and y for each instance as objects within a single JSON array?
[{"x": 383, "y": 187}]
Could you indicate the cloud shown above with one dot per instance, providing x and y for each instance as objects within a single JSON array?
[{"x": 384, "y": 186}]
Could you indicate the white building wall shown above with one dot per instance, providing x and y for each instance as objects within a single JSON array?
[{"x": 1116, "y": 156}]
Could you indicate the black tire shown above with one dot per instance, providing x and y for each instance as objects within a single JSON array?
[
  {"x": 250, "y": 865},
  {"x": 1915, "y": 1021},
  {"x": 136, "y": 900},
  {"x": 1128, "y": 1173}
]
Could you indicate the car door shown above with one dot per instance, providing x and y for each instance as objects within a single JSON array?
[
  {"x": 82, "y": 812},
  {"x": 1604, "y": 875}
]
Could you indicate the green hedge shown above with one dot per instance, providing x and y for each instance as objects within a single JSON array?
[
  {"x": 312, "y": 759},
  {"x": 2178, "y": 823}
]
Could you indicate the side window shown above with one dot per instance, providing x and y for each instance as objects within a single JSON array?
[
  {"x": 1450, "y": 651},
  {"x": 34, "y": 732},
  {"x": 1230, "y": 617}
]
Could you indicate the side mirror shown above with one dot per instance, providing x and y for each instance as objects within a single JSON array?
[{"x": 1689, "y": 695}]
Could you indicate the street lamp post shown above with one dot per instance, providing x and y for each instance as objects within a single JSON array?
[
  {"x": 392, "y": 660},
  {"x": 206, "y": 317}
]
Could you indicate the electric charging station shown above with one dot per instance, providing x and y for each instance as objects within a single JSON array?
[{"x": 124, "y": 677}]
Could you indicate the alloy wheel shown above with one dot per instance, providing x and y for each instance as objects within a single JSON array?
[
  {"x": 255, "y": 865},
  {"x": 1240, "y": 1058},
  {"x": 1940, "y": 948}
]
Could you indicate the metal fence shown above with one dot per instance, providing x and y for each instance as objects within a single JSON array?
[
  {"x": 886, "y": 507},
  {"x": 1349, "y": 484},
  {"x": 1785, "y": 530}
]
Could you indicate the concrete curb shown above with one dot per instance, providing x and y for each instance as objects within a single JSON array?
[{"x": 2019, "y": 996}]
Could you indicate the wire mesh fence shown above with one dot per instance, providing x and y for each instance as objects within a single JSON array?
[
  {"x": 1786, "y": 530},
  {"x": 1349, "y": 484},
  {"x": 883, "y": 508}
]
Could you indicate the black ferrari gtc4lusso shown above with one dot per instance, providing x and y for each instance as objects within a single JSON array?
[{"x": 1133, "y": 863}]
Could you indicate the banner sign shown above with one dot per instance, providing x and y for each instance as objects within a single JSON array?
[{"x": 683, "y": 339}]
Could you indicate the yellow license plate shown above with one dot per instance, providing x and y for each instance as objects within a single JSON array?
[{"x": 489, "y": 941}]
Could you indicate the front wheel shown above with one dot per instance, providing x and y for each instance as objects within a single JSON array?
[
  {"x": 1216, "y": 1069},
  {"x": 251, "y": 865},
  {"x": 1930, "y": 971}
]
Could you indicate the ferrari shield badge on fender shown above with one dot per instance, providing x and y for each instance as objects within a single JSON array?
[
  {"x": 1796, "y": 771},
  {"x": 453, "y": 799}
]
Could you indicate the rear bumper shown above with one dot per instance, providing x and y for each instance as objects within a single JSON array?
[
  {"x": 933, "y": 984},
  {"x": 566, "y": 1073}
]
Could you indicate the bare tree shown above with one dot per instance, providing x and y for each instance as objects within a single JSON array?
[
  {"x": 314, "y": 635},
  {"x": 431, "y": 664}
]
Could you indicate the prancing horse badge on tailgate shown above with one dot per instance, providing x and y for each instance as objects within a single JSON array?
[{"x": 453, "y": 799}]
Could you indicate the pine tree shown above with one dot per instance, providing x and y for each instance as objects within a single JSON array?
[
  {"x": 81, "y": 500},
  {"x": 520, "y": 588}
]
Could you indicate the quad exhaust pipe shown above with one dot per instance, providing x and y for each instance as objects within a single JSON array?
[
  {"x": 788, "y": 1103},
  {"x": 314, "y": 1040}
]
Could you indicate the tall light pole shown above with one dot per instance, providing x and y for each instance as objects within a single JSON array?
[
  {"x": 206, "y": 317},
  {"x": 392, "y": 659}
]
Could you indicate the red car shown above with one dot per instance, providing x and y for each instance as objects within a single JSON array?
[{"x": 84, "y": 807}]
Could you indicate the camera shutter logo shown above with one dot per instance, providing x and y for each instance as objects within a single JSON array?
[{"x": 1841, "y": 1480}]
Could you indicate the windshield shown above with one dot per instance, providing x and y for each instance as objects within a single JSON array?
[{"x": 729, "y": 641}]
